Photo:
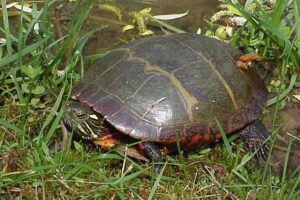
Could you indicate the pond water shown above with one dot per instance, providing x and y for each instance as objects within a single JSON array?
[
  {"x": 112, "y": 37},
  {"x": 199, "y": 10}
]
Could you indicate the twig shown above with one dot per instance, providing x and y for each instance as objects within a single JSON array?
[
  {"x": 63, "y": 143},
  {"x": 124, "y": 161},
  {"x": 212, "y": 178},
  {"x": 152, "y": 106},
  {"x": 296, "y": 138}
]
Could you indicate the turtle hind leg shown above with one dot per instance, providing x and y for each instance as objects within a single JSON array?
[
  {"x": 254, "y": 136},
  {"x": 152, "y": 151}
]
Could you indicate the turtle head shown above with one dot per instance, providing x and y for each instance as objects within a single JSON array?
[{"x": 80, "y": 118}]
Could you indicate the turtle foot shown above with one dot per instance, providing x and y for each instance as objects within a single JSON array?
[
  {"x": 153, "y": 152},
  {"x": 254, "y": 136}
]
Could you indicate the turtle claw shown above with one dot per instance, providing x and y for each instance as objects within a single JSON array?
[
  {"x": 157, "y": 168},
  {"x": 261, "y": 151},
  {"x": 254, "y": 136}
]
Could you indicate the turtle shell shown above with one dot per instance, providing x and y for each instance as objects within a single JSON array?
[{"x": 180, "y": 84}]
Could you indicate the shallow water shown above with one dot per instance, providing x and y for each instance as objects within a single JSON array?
[
  {"x": 199, "y": 10},
  {"x": 112, "y": 37}
]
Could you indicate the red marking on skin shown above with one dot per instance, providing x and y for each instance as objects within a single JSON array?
[
  {"x": 141, "y": 146},
  {"x": 106, "y": 136},
  {"x": 107, "y": 143}
]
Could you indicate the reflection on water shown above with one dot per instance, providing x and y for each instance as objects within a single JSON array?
[
  {"x": 112, "y": 37},
  {"x": 198, "y": 10}
]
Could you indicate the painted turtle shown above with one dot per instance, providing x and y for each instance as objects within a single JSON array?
[{"x": 162, "y": 89}]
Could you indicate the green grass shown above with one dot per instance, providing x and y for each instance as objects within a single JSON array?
[{"x": 33, "y": 92}]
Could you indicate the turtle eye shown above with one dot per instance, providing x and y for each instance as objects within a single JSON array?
[{"x": 79, "y": 114}]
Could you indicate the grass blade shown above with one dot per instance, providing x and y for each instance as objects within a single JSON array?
[
  {"x": 17, "y": 85},
  {"x": 153, "y": 189},
  {"x": 36, "y": 19},
  {"x": 283, "y": 178},
  {"x": 224, "y": 137},
  {"x": 297, "y": 24},
  {"x": 74, "y": 30},
  {"x": 8, "y": 125},
  {"x": 26, "y": 51},
  {"x": 285, "y": 92},
  {"x": 168, "y": 26},
  {"x": 278, "y": 11},
  {"x": 6, "y": 29},
  {"x": 52, "y": 114}
]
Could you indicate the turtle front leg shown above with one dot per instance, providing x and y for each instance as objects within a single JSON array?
[
  {"x": 152, "y": 151},
  {"x": 254, "y": 136}
]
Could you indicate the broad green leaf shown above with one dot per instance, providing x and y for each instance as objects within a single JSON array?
[
  {"x": 25, "y": 87},
  {"x": 285, "y": 92},
  {"x": 38, "y": 90},
  {"x": 34, "y": 101},
  {"x": 77, "y": 146}
]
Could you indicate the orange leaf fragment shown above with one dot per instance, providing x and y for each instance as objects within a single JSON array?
[{"x": 243, "y": 61}]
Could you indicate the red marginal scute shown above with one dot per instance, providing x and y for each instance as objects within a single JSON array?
[
  {"x": 169, "y": 134},
  {"x": 144, "y": 130},
  {"x": 118, "y": 119},
  {"x": 195, "y": 140}
]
